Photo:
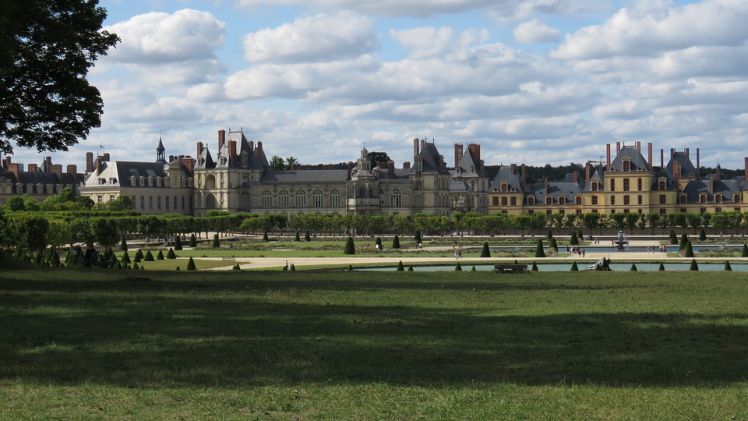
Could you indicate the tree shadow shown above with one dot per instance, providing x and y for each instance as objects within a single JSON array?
[{"x": 225, "y": 338}]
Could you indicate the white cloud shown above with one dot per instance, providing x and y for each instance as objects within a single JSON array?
[
  {"x": 161, "y": 37},
  {"x": 709, "y": 23},
  {"x": 535, "y": 31},
  {"x": 317, "y": 38}
]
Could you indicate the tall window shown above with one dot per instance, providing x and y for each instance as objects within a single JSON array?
[
  {"x": 662, "y": 185},
  {"x": 639, "y": 199},
  {"x": 267, "y": 200},
  {"x": 396, "y": 199},
  {"x": 663, "y": 199},
  {"x": 626, "y": 184},
  {"x": 513, "y": 201},
  {"x": 626, "y": 200},
  {"x": 612, "y": 200},
  {"x": 639, "y": 184},
  {"x": 283, "y": 199},
  {"x": 334, "y": 199},
  {"x": 548, "y": 201},
  {"x": 594, "y": 200},
  {"x": 595, "y": 186},
  {"x": 503, "y": 201},
  {"x": 613, "y": 184},
  {"x": 579, "y": 200},
  {"x": 561, "y": 200},
  {"x": 626, "y": 166},
  {"x": 300, "y": 201},
  {"x": 317, "y": 199}
]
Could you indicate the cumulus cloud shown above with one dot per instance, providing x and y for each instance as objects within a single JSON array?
[
  {"x": 316, "y": 38},
  {"x": 535, "y": 31},
  {"x": 627, "y": 33},
  {"x": 161, "y": 37}
]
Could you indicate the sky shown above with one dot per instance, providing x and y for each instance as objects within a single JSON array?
[{"x": 534, "y": 81}]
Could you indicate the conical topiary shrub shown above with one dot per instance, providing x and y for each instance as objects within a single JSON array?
[
  {"x": 297, "y": 237},
  {"x": 378, "y": 243},
  {"x": 728, "y": 267},
  {"x": 265, "y": 236},
  {"x": 307, "y": 237},
  {"x": 534, "y": 267},
  {"x": 135, "y": 266},
  {"x": 178, "y": 243},
  {"x": 191, "y": 265},
  {"x": 702, "y": 235},
  {"x": 148, "y": 256},
  {"x": 745, "y": 251},
  {"x": 472, "y": 269},
  {"x": 125, "y": 258},
  {"x": 694, "y": 266},
  {"x": 410, "y": 268},
  {"x": 683, "y": 241},
  {"x": 689, "y": 250},
  {"x": 549, "y": 235},
  {"x": 554, "y": 245},
  {"x": 178, "y": 269},
  {"x": 539, "y": 252},
  {"x": 216, "y": 243},
  {"x": 485, "y": 252},
  {"x": 236, "y": 267},
  {"x": 662, "y": 267},
  {"x": 633, "y": 267},
  {"x": 193, "y": 240},
  {"x": 160, "y": 255},
  {"x": 400, "y": 267},
  {"x": 123, "y": 244},
  {"x": 574, "y": 241},
  {"x": 673, "y": 238},
  {"x": 418, "y": 237},
  {"x": 170, "y": 254},
  {"x": 350, "y": 268},
  {"x": 458, "y": 267},
  {"x": 574, "y": 267},
  {"x": 350, "y": 248},
  {"x": 139, "y": 255},
  {"x": 396, "y": 242},
  {"x": 292, "y": 268}
]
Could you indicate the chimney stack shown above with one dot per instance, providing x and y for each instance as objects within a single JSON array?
[
  {"x": 15, "y": 169},
  {"x": 391, "y": 167},
  {"x": 33, "y": 168},
  {"x": 98, "y": 166},
  {"x": 6, "y": 162},
  {"x": 406, "y": 165},
  {"x": 607, "y": 154},
  {"x": 259, "y": 146},
  {"x": 688, "y": 153},
  {"x": 232, "y": 149},
  {"x": 638, "y": 146},
  {"x": 513, "y": 168},
  {"x": 474, "y": 149},
  {"x": 89, "y": 162},
  {"x": 221, "y": 139},
  {"x": 618, "y": 148},
  {"x": 47, "y": 166},
  {"x": 421, "y": 145},
  {"x": 676, "y": 174},
  {"x": 672, "y": 153},
  {"x": 523, "y": 173},
  {"x": 587, "y": 173},
  {"x": 56, "y": 169},
  {"x": 72, "y": 169},
  {"x": 575, "y": 176},
  {"x": 745, "y": 174},
  {"x": 698, "y": 163},
  {"x": 106, "y": 157},
  {"x": 415, "y": 147},
  {"x": 662, "y": 158},
  {"x": 199, "y": 148},
  {"x": 649, "y": 155},
  {"x": 458, "y": 153}
]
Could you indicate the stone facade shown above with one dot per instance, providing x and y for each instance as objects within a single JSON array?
[{"x": 37, "y": 181}]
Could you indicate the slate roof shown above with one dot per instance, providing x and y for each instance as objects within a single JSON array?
[
  {"x": 687, "y": 167},
  {"x": 512, "y": 178},
  {"x": 630, "y": 153},
  {"x": 432, "y": 161},
  {"x": 556, "y": 189},
  {"x": 305, "y": 176},
  {"x": 42, "y": 177},
  {"x": 468, "y": 166}
]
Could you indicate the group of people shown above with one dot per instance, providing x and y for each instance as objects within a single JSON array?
[{"x": 576, "y": 250}]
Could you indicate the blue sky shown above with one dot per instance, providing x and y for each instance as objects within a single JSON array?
[{"x": 538, "y": 81}]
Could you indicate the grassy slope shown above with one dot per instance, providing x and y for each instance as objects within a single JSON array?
[{"x": 361, "y": 345}]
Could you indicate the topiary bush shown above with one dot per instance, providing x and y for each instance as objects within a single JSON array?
[
  {"x": 485, "y": 252},
  {"x": 396, "y": 242},
  {"x": 539, "y": 252},
  {"x": 633, "y": 267},
  {"x": 125, "y": 258},
  {"x": 193, "y": 240},
  {"x": 574, "y": 267},
  {"x": 745, "y": 251},
  {"x": 265, "y": 236},
  {"x": 410, "y": 268},
  {"x": 554, "y": 245},
  {"x": 689, "y": 250},
  {"x": 236, "y": 267},
  {"x": 728, "y": 267},
  {"x": 191, "y": 265},
  {"x": 673, "y": 238},
  {"x": 148, "y": 256},
  {"x": 160, "y": 255},
  {"x": 123, "y": 244},
  {"x": 702, "y": 235},
  {"x": 349, "y": 248},
  {"x": 662, "y": 267},
  {"x": 178, "y": 243},
  {"x": 170, "y": 254},
  {"x": 694, "y": 266},
  {"x": 418, "y": 237},
  {"x": 400, "y": 267},
  {"x": 574, "y": 240},
  {"x": 297, "y": 237},
  {"x": 292, "y": 268},
  {"x": 534, "y": 267},
  {"x": 458, "y": 268},
  {"x": 216, "y": 243},
  {"x": 473, "y": 269},
  {"x": 138, "y": 255}
]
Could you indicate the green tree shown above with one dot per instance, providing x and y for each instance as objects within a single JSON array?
[
  {"x": 123, "y": 244},
  {"x": 277, "y": 163},
  {"x": 618, "y": 220},
  {"x": 160, "y": 255},
  {"x": 396, "y": 242},
  {"x": 216, "y": 243},
  {"x": 170, "y": 254},
  {"x": 148, "y": 256},
  {"x": 291, "y": 162},
  {"x": 32, "y": 233},
  {"x": 633, "y": 267},
  {"x": 539, "y": 252},
  {"x": 193, "y": 241},
  {"x": 178, "y": 243},
  {"x": 574, "y": 267},
  {"x": 47, "y": 49},
  {"x": 574, "y": 241},
  {"x": 106, "y": 232},
  {"x": 689, "y": 250},
  {"x": 694, "y": 266},
  {"x": 728, "y": 268},
  {"x": 702, "y": 235}
]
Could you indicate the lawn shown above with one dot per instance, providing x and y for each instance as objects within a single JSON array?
[{"x": 307, "y": 345}]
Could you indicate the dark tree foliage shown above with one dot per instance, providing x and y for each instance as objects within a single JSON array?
[
  {"x": 350, "y": 248},
  {"x": 396, "y": 242},
  {"x": 160, "y": 255},
  {"x": 400, "y": 267},
  {"x": 193, "y": 241},
  {"x": 178, "y": 243},
  {"x": 694, "y": 266},
  {"x": 485, "y": 251},
  {"x": 148, "y": 256},
  {"x": 574, "y": 267},
  {"x": 377, "y": 157},
  {"x": 46, "y": 49},
  {"x": 534, "y": 267},
  {"x": 191, "y": 265},
  {"x": 728, "y": 268},
  {"x": 661, "y": 268},
  {"x": 216, "y": 243},
  {"x": 458, "y": 267},
  {"x": 633, "y": 267},
  {"x": 539, "y": 252},
  {"x": 171, "y": 254}
]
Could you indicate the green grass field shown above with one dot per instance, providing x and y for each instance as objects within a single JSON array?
[{"x": 367, "y": 346}]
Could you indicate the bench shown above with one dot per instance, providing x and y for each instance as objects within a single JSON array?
[{"x": 510, "y": 268}]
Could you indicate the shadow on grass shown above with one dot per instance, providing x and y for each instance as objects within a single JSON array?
[{"x": 60, "y": 333}]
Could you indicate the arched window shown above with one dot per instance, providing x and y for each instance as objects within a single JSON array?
[
  {"x": 317, "y": 199},
  {"x": 561, "y": 200},
  {"x": 267, "y": 200},
  {"x": 579, "y": 200},
  {"x": 283, "y": 199},
  {"x": 702, "y": 198},
  {"x": 503, "y": 187},
  {"x": 334, "y": 199},
  {"x": 548, "y": 201},
  {"x": 718, "y": 198},
  {"x": 300, "y": 201},
  {"x": 396, "y": 199}
]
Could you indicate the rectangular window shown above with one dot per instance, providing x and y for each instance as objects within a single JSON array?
[
  {"x": 111, "y": 197},
  {"x": 175, "y": 202},
  {"x": 663, "y": 199},
  {"x": 495, "y": 201},
  {"x": 142, "y": 202},
  {"x": 662, "y": 211},
  {"x": 513, "y": 201},
  {"x": 626, "y": 184},
  {"x": 503, "y": 201},
  {"x": 158, "y": 202},
  {"x": 626, "y": 200},
  {"x": 639, "y": 200},
  {"x": 183, "y": 203},
  {"x": 594, "y": 200},
  {"x": 612, "y": 200},
  {"x": 150, "y": 202},
  {"x": 613, "y": 184},
  {"x": 166, "y": 202},
  {"x": 639, "y": 184},
  {"x": 99, "y": 198}
]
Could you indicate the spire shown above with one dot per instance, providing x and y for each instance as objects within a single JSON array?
[{"x": 160, "y": 157}]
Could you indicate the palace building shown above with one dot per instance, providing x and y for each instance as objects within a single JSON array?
[
  {"x": 239, "y": 178},
  {"x": 37, "y": 181}
]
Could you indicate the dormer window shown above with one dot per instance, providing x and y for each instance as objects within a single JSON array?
[
  {"x": 531, "y": 201},
  {"x": 718, "y": 198},
  {"x": 626, "y": 166},
  {"x": 702, "y": 198},
  {"x": 562, "y": 201},
  {"x": 548, "y": 201},
  {"x": 504, "y": 187},
  {"x": 662, "y": 185},
  {"x": 595, "y": 186},
  {"x": 682, "y": 198}
]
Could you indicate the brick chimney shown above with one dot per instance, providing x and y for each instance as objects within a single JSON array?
[
  {"x": 15, "y": 169},
  {"x": 618, "y": 148},
  {"x": 649, "y": 155},
  {"x": 199, "y": 148},
  {"x": 415, "y": 147},
  {"x": 698, "y": 163},
  {"x": 607, "y": 156},
  {"x": 474, "y": 149},
  {"x": 33, "y": 168},
  {"x": 98, "y": 166},
  {"x": 188, "y": 164},
  {"x": 406, "y": 164},
  {"x": 458, "y": 153},
  {"x": 106, "y": 157},
  {"x": 221, "y": 139},
  {"x": 232, "y": 149},
  {"x": 676, "y": 174},
  {"x": 89, "y": 162},
  {"x": 575, "y": 176},
  {"x": 72, "y": 169},
  {"x": 56, "y": 169},
  {"x": 639, "y": 146},
  {"x": 587, "y": 173},
  {"x": 391, "y": 167},
  {"x": 47, "y": 166},
  {"x": 688, "y": 152}
]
